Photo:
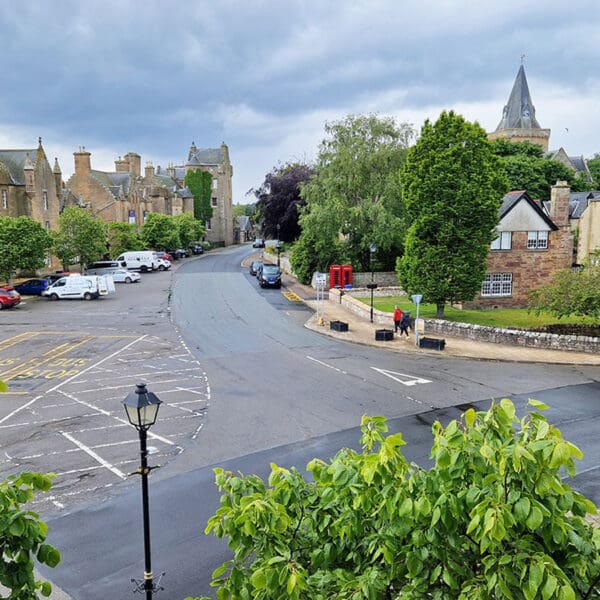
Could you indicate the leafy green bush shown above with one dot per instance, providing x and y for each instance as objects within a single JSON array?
[
  {"x": 22, "y": 537},
  {"x": 492, "y": 519}
]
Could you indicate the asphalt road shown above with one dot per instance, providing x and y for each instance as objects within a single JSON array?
[{"x": 244, "y": 384}]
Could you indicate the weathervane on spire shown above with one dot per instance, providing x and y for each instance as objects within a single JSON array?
[{"x": 522, "y": 59}]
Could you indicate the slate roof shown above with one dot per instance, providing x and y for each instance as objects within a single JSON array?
[
  {"x": 519, "y": 112},
  {"x": 511, "y": 199},
  {"x": 205, "y": 156},
  {"x": 184, "y": 193},
  {"x": 14, "y": 160},
  {"x": 578, "y": 202},
  {"x": 113, "y": 181}
]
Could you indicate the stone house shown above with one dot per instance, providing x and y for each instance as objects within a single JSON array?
[
  {"x": 584, "y": 213},
  {"x": 220, "y": 228},
  {"x": 125, "y": 195},
  {"x": 532, "y": 244},
  {"x": 30, "y": 187}
]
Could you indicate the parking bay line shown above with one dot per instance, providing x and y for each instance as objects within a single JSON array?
[
  {"x": 59, "y": 385},
  {"x": 326, "y": 365},
  {"x": 95, "y": 456}
]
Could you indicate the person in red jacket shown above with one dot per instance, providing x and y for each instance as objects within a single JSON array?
[{"x": 397, "y": 318}]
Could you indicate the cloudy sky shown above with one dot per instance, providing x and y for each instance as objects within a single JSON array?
[{"x": 264, "y": 76}]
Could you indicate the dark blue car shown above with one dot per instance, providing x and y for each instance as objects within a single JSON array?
[{"x": 32, "y": 287}]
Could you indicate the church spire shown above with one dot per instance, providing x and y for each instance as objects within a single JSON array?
[{"x": 519, "y": 112}]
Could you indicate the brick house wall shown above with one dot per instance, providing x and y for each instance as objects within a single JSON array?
[{"x": 531, "y": 268}]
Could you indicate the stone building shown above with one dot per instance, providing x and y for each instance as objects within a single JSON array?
[
  {"x": 518, "y": 123},
  {"x": 30, "y": 187},
  {"x": 531, "y": 246},
  {"x": 584, "y": 213},
  {"x": 125, "y": 194},
  {"x": 219, "y": 229}
]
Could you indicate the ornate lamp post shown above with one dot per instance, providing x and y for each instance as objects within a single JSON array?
[
  {"x": 372, "y": 286},
  {"x": 141, "y": 407}
]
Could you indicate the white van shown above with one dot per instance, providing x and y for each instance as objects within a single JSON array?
[
  {"x": 141, "y": 260},
  {"x": 104, "y": 267},
  {"x": 86, "y": 287}
]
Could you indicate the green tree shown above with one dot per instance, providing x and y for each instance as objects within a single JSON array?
[
  {"x": 81, "y": 238},
  {"x": 25, "y": 245},
  {"x": 354, "y": 198},
  {"x": 189, "y": 228},
  {"x": 491, "y": 519},
  {"x": 123, "y": 237},
  {"x": 594, "y": 167},
  {"x": 23, "y": 536},
  {"x": 528, "y": 169},
  {"x": 244, "y": 210},
  {"x": 452, "y": 188},
  {"x": 570, "y": 293},
  {"x": 160, "y": 232},
  {"x": 200, "y": 185}
]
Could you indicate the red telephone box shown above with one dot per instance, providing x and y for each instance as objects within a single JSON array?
[
  {"x": 335, "y": 276},
  {"x": 346, "y": 276}
]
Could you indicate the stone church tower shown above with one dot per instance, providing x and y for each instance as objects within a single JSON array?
[{"x": 518, "y": 122}]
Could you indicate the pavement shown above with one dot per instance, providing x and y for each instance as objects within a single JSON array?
[{"x": 362, "y": 331}]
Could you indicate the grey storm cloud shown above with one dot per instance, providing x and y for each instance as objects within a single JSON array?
[{"x": 264, "y": 75}]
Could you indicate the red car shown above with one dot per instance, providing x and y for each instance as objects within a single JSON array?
[{"x": 9, "y": 297}]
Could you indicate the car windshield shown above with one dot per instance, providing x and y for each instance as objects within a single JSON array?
[{"x": 268, "y": 270}]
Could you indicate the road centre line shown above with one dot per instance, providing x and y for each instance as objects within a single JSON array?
[
  {"x": 94, "y": 455},
  {"x": 59, "y": 385},
  {"x": 107, "y": 413},
  {"x": 326, "y": 365}
]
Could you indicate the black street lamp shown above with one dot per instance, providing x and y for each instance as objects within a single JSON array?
[
  {"x": 278, "y": 245},
  {"x": 372, "y": 286},
  {"x": 141, "y": 407}
]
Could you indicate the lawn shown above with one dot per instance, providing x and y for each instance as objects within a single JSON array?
[{"x": 495, "y": 317}]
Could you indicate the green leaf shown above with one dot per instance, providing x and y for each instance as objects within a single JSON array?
[
  {"x": 258, "y": 579},
  {"x": 46, "y": 589},
  {"x": 3, "y": 387},
  {"x": 521, "y": 509},
  {"x": 566, "y": 593},
  {"x": 535, "y": 518},
  {"x": 549, "y": 587},
  {"x": 537, "y": 404},
  {"x": 291, "y": 583},
  {"x": 470, "y": 416}
]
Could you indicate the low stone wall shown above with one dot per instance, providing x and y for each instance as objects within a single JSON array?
[
  {"x": 495, "y": 335},
  {"x": 384, "y": 279},
  {"x": 530, "y": 339}
]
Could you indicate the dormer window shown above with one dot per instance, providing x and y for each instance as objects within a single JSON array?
[
  {"x": 503, "y": 241},
  {"x": 45, "y": 200},
  {"x": 4, "y": 199},
  {"x": 537, "y": 240}
]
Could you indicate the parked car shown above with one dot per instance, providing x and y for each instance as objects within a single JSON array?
[
  {"x": 258, "y": 243},
  {"x": 183, "y": 253},
  {"x": 124, "y": 276},
  {"x": 197, "y": 249},
  {"x": 174, "y": 254},
  {"x": 163, "y": 265},
  {"x": 255, "y": 266},
  {"x": 269, "y": 276},
  {"x": 54, "y": 277},
  {"x": 32, "y": 287},
  {"x": 139, "y": 260},
  {"x": 9, "y": 297},
  {"x": 164, "y": 255}
]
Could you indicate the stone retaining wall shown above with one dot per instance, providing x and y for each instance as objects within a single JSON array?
[{"x": 440, "y": 327}]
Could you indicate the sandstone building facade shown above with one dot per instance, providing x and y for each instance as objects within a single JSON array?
[{"x": 30, "y": 187}]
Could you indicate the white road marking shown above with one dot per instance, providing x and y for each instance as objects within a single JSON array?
[
  {"x": 95, "y": 456},
  {"x": 59, "y": 385},
  {"x": 402, "y": 377},
  {"x": 118, "y": 419},
  {"x": 326, "y": 365}
]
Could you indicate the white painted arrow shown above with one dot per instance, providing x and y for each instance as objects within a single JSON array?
[{"x": 401, "y": 377}]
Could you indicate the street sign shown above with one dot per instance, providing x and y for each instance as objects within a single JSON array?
[
  {"x": 320, "y": 278},
  {"x": 416, "y": 298}
]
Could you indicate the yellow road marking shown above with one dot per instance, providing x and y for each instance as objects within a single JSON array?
[
  {"x": 291, "y": 296},
  {"x": 17, "y": 339},
  {"x": 33, "y": 363}
]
